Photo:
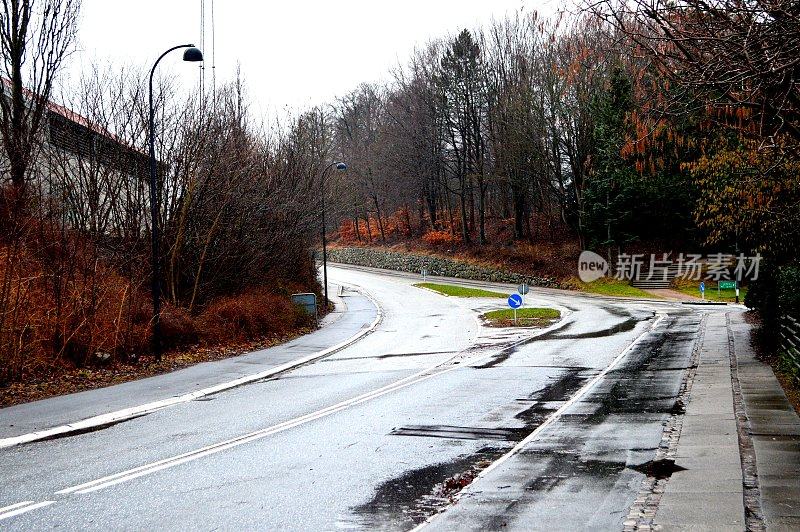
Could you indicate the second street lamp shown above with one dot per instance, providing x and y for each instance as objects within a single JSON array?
[
  {"x": 191, "y": 54},
  {"x": 341, "y": 167}
]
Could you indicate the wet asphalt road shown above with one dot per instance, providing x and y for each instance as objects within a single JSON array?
[{"x": 375, "y": 435}]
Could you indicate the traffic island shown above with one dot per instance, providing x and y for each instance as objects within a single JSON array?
[
  {"x": 525, "y": 317},
  {"x": 458, "y": 291}
]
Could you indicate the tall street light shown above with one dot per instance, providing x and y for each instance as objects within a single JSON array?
[
  {"x": 190, "y": 54},
  {"x": 341, "y": 167}
]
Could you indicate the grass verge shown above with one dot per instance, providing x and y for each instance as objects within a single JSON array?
[
  {"x": 459, "y": 291},
  {"x": 526, "y": 317},
  {"x": 607, "y": 286},
  {"x": 692, "y": 288}
]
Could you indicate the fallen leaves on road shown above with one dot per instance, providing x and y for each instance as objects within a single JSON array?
[{"x": 453, "y": 485}]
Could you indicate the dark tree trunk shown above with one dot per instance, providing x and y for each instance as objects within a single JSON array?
[
  {"x": 430, "y": 200},
  {"x": 380, "y": 218},
  {"x": 518, "y": 200},
  {"x": 482, "y": 210},
  {"x": 464, "y": 218},
  {"x": 369, "y": 229},
  {"x": 355, "y": 226}
]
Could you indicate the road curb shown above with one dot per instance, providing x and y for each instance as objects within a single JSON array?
[{"x": 112, "y": 418}]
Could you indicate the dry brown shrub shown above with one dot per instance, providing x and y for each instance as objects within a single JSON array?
[
  {"x": 255, "y": 314},
  {"x": 60, "y": 311},
  {"x": 440, "y": 238}
]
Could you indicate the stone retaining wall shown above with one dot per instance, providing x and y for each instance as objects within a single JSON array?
[{"x": 407, "y": 262}]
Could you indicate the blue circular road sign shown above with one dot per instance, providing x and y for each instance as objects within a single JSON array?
[{"x": 515, "y": 301}]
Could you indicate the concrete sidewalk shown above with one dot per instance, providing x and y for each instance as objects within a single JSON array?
[
  {"x": 707, "y": 494},
  {"x": 354, "y": 312},
  {"x": 739, "y": 442},
  {"x": 696, "y": 434}
]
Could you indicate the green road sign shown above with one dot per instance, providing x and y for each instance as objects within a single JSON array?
[{"x": 726, "y": 285}]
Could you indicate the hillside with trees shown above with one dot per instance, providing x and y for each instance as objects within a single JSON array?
[
  {"x": 625, "y": 127},
  {"x": 638, "y": 127}
]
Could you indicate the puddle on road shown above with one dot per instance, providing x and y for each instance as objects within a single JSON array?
[
  {"x": 559, "y": 334},
  {"x": 625, "y": 326},
  {"x": 565, "y": 386},
  {"x": 658, "y": 469},
  {"x": 563, "y": 466},
  {"x": 405, "y": 501},
  {"x": 616, "y": 311},
  {"x": 504, "y": 354}
]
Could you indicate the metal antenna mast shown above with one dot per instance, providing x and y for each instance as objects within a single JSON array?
[
  {"x": 213, "y": 51},
  {"x": 202, "y": 47}
]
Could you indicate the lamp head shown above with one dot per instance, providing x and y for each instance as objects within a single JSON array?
[
  {"x": 341, "y": 167},
  {"x": 192, "y": 54}
]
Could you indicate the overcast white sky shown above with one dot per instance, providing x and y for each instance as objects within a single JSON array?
[{"x": 293, "y": 53}]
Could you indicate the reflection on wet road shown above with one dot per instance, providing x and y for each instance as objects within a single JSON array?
[{"x": 588, "y": 469}]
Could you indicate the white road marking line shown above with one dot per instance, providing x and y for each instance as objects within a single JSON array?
[
  {"x": 547, "y": 422},
  {"x": 21, "y": 508},
  {"x": 572, "y": 400},
  {"x": 147, "y": 469},
  {"x": 136, "y": 411},
  {"x": 235, "y": 442},
  {"x": 5, "y": 509}
]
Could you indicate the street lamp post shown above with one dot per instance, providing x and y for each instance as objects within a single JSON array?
[
  {"x": 191, "y": 54},
  {"x": 341, "y": 167}
]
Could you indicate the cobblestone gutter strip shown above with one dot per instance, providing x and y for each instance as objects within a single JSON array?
[
  {"x": 643, "y": 510},
  {"x": 440, "y": 266},
  {"x": 754, "y": 516}
]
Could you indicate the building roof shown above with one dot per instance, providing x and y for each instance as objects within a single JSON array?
[{"x": 77, "y": 133}]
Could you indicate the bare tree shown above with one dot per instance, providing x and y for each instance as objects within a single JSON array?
[
  {"x": 417, "y": 136},
  {"x": 35, "y": 37},
  {"x": 727, "y": 52},
  {"x": 359, "y": 127}
]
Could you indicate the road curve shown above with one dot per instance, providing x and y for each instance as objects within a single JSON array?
[{"x": 373, "y": 435}]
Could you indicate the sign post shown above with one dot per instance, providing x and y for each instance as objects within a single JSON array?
[
  {"x": 738, "y": 282},
  {"x": 515, "y": 301},
  {"x": 523, "y": 289},
  {"x": 424, "y": 273}
]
